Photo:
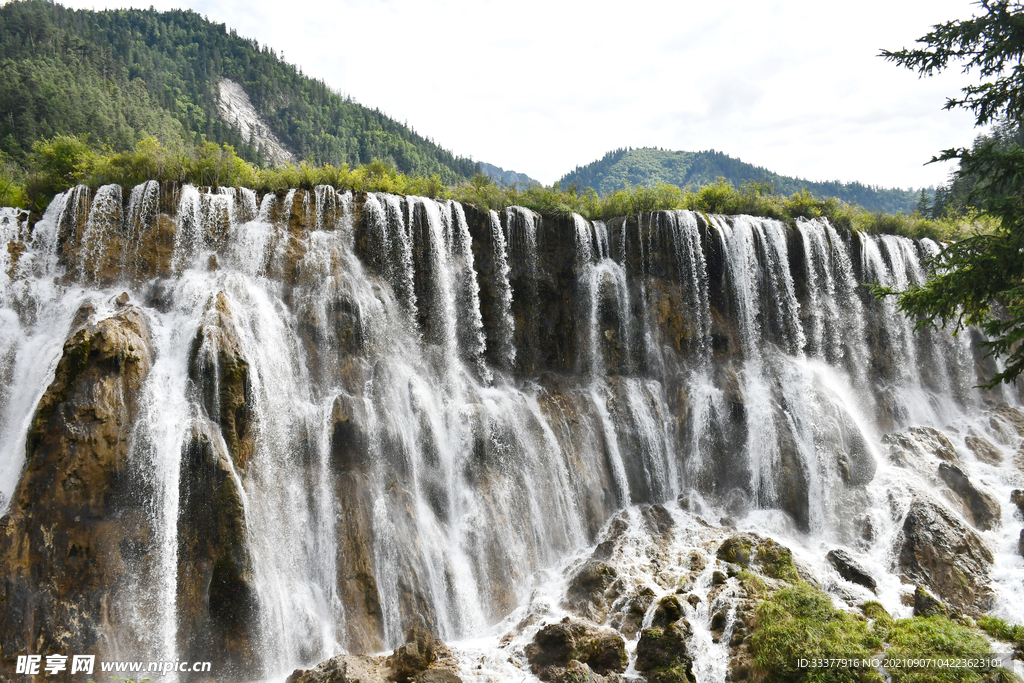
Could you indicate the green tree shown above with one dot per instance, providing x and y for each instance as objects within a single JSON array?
[{"x": 979, "y": 280}]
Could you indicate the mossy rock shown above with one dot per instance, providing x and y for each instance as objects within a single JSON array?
[
  {"x": 737, "y": 549},
  {"x": 776, "y": 561},
  {"x": 662, "y": 653}
]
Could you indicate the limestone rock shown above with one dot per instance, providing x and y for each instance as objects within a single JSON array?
[
  {"x": 556, "y": 645},
  {"x": 937, "y": 551},
  {"x": 662, "y": 656},
  {"x": 78, "y": 514},
  {"x": 216, "y": 597},
  {"x": 982, "y": 509},
  {"x": 344, "y": 669},
  {"x": 585, "y": 595},
  {"x": 849, "y": 569},
  {"x": 1011, "y": 416},
  {"x": 218, "y": 367},
  {"x": 984, "y": 450},
  {"x": 415, "y": 656}
]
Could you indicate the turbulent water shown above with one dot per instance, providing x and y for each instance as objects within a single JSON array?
[{"x": 446, "y": 406}]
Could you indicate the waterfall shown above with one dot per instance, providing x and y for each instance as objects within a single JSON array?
[{"x": 366, "y": 412}]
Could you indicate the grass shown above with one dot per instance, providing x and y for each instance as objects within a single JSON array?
[{"x": 801, "y": 622}]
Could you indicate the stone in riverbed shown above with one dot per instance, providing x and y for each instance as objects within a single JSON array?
[
  {"x": 984, "y": 450},
  {"x": 556, "y": 645},
  {"x": 936, "y": 550},
  {"x": 982, "y": 509},
  {"x": 849, "y": 569}
]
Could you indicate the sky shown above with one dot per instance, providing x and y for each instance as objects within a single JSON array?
[{"x": 541, "y": 86}]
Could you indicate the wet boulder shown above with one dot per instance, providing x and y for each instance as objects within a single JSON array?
[
  {"x": 668, "y": 611},
  {"x": 585, "y": 595},
  {"x": 849, "y": 569},
  {"x": 79, "y": 515},
  {"x": 342, "y": 669},
  {"x": 415, "y": 656},
  {"x": 937, "y": 551},
  {"x": 556, "y": 645},
  {"x": 982, "y": 509},
  {"x": 1017, "y": 498},
  {"x": 662, "y": 655},
  {"x": 984, "y": 450}
]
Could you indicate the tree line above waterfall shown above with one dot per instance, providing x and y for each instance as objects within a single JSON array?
[{"x": 647, "y": 166}]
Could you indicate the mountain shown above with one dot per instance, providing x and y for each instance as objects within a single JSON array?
[
  {"x": 121, "y": 75},
  {"x": 503, "y": 177},
  {"x": 648, "y": 165}
]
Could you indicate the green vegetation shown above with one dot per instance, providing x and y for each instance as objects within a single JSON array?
[
  {"x": 979, "y": 280},
  {"x": 1000, "y": 630},
  {"x": 121, "y": 76},
  {"x": 63, "y": 161},
  {"x": 622, "y": 168},
  {"x": 801, "y": 622}
]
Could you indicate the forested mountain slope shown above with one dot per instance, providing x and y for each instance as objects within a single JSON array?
[
  {"x": 121, "y": 75},
  {"x": 647, "y": 166}
]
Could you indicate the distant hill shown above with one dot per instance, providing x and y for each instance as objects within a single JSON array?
[
  {"x": 121, "y": 75},
  {"x": 648, "y": 165},
  {"x": 501, "y": 176}
]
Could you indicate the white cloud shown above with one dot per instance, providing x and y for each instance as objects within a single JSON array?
[{"x": 540, "y": 87}]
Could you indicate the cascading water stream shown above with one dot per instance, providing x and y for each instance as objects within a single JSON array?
[{"x": 364, "y": 379}]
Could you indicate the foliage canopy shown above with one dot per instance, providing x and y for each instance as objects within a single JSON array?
[{"x": 979, "y": 280}]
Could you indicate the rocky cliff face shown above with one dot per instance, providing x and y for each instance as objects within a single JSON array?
[
  {"x": 316, "y": 421},
  {"x": 77, "y": 523}
]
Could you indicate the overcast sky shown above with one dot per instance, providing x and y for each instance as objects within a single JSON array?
[{"x": 541, "y": 86}]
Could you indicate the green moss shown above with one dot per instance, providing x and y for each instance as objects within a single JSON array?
[
  {"x": 736, "y": 550},
  {"x": 752, "y": 583},
  {"x": 801, "y": 622},
  {"x": 935, "y": 638},
  {"x": 777, "y": 561}
]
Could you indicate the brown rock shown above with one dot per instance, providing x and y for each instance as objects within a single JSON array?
[
  {"x": 344, "y": 669},
  {"x": 437, "y": 676},
  {"x": 556, "y": 645},
  {"x": 585, "y": 595},
  {"x": 77, "y": 516},
  {"x": 982, "y": 509},
  {"x": 220, "y": 370},
  {"x": 984, "y": 450},
  {"x": 667, "y": 612},
  {"x": 415, "y": 656},
  {"x": 937, "y": 551}
]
